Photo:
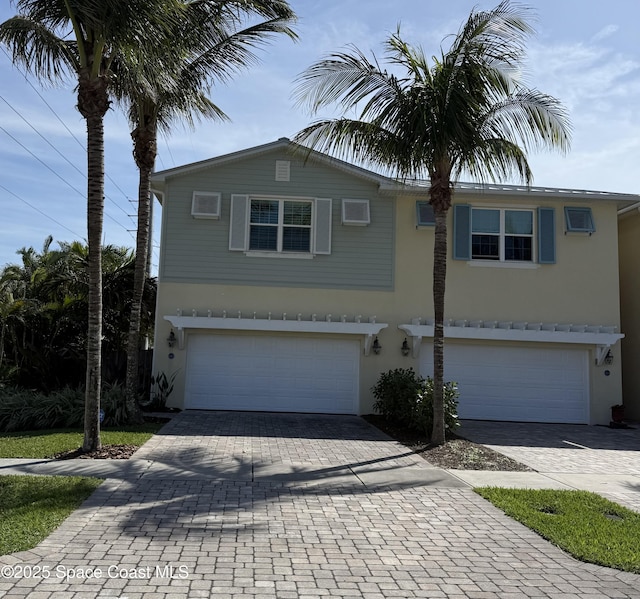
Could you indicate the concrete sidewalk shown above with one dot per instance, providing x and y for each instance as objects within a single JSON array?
[
  {"x": 589, "y": 458},
  {"x": 598, "y": 459}
]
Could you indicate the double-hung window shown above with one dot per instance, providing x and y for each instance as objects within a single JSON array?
[
  {"x": 280, "y": 225},
  {"x": 501, "y": 234}
]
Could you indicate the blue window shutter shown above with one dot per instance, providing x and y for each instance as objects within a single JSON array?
[
  {"x": 322, "y": 225},
  {"x": 546, "y": 235},
  {"x": 238, "y": 226},
  {"x": 462, "y": 232}
]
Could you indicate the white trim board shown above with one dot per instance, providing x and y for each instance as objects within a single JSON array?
[
  {"x": 600, "y": 340},
  {"x": 367, "y": 329}
]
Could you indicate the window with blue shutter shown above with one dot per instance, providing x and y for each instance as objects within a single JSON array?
[
  {"x": 462, "y": 232},
  {"x": 546, "y": 235},
  {"x": 504, "y": 234}
]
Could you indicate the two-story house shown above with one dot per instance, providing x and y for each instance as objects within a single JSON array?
[{"x": 289, "y": 281}]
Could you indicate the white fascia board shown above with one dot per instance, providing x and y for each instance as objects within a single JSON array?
[
  {"x": 158, "y": 178},
  {"x": 368, "y": 329},
  {"x": 498, "y": 334}
]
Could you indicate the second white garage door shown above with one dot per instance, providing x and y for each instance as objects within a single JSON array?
[
  {"x": 272, "y": 373},
  {"x": 516, "y": 383}
]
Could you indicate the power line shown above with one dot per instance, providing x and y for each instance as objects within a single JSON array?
[
  {"x": 57, "y": 151},
  {"x": 82, "y": 195},
  {"x": 15, "y": 195},
  {"x": 26, "y": 78},
  {"x": 42, "y": 136}
]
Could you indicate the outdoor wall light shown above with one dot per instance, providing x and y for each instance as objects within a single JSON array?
[
  {"x": 405, "y": 349},
  {"x": 608, "y": 359},
  {"x": 376, "y": 346},
  {"x": 171, "y": 339}
]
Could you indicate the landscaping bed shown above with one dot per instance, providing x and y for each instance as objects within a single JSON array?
[{"x": 456, "y": 454}]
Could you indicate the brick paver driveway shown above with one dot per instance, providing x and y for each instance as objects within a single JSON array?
[
  {"x": 294, "y": 506},
  {"x": 596, "y": 458}
]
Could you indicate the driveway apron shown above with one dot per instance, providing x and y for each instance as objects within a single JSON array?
[
  {"x": 571, "y": 456},
  {"x": 284, "y": 506}
]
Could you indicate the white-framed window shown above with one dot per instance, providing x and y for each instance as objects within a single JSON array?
[
  {"x": 277, "y": 226},
  {"x": 502, "y": 234},
  {"x": 280, "y": 225},
  {"x": 579, "y": 220},
  {"x": 205, "y": 204}
]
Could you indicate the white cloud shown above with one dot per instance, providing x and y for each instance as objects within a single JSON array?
[{"x": 605, "y": 32}]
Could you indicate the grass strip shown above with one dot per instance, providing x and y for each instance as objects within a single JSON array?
[
  {"x": 46, "y": 443},
  {"x": 585, "y": 525},
  {"x": 31, "y": 507}
]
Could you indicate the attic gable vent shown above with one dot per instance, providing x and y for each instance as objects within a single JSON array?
[
  {"x": 355, "y": 212},
  {"x": 205, "y": 204},
  {"x": 283, "y": 170}
]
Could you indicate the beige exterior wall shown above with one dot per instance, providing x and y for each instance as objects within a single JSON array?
[
  {"x": 581, "y": 288},
  {"x": 629, "y": 234}
]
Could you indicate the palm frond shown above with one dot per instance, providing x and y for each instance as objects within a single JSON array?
[
  {"x": 38, "y": 49},
  {"x": 346, "y": 79}
]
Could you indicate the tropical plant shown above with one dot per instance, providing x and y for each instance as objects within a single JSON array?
[
  {"x": 27, "y": 409},
  {"x": 211, "y": 42},
  {"x": 55, "y": 39},
  {"x": 161, "y": 389},
  {"x": 465, "y": 111},
  {"x": 43, "y": 313}
]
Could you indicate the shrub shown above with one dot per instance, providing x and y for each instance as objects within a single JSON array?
[
  {"x": 26, "y": 409},
  {"x": 396, "y": 392},
  {"x": 406, "y": 397},
  {"x": 117, "y": 409}
]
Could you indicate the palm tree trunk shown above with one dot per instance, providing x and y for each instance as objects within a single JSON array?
[
  {"x": 439, "y": 277},
  {"x": 145, "y": 150},
  {"x": 93, "y": 103}
]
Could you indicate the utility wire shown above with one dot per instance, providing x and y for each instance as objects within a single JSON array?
[
  {"x": 26, "y": 78},
  {"x": 60, "y": 176},
  {"x": 59, "y": 153},
  {"x": 15, "y": 195}
]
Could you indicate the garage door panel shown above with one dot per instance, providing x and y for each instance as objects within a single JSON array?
[
  {"x": 272, "y": 373},
  {"x": 516, "y": 383}
]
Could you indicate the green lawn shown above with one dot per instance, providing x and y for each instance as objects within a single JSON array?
[
  {"x": 31, "y": 507},
  {"x": 587, "y": 526},
  {"x": 46, "y": 443}
]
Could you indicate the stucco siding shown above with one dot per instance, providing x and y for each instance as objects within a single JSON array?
[
  {"x": 580, "y": 288},
  {"x": 629, "y": 233},
  {"x": 384, "y": 271},
  {"x": 197, "y": 250}
]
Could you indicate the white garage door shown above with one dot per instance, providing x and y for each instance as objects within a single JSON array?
[
  {"x": 516, "y": 383},
  {"x": 270, "y": 373}
]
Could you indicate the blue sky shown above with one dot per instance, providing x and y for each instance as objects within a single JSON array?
[{"x": 586, "y": 53}]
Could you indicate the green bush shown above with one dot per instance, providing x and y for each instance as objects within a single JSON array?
[
  {"x": 407, "y": 398},
  {"x": 26, "y": 409}
]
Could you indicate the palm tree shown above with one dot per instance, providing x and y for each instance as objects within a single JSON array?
[
  {"x": 55, "y": 39},
  {"x": 214, "y": 45},
  {"x": 467, "y": 111}
]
